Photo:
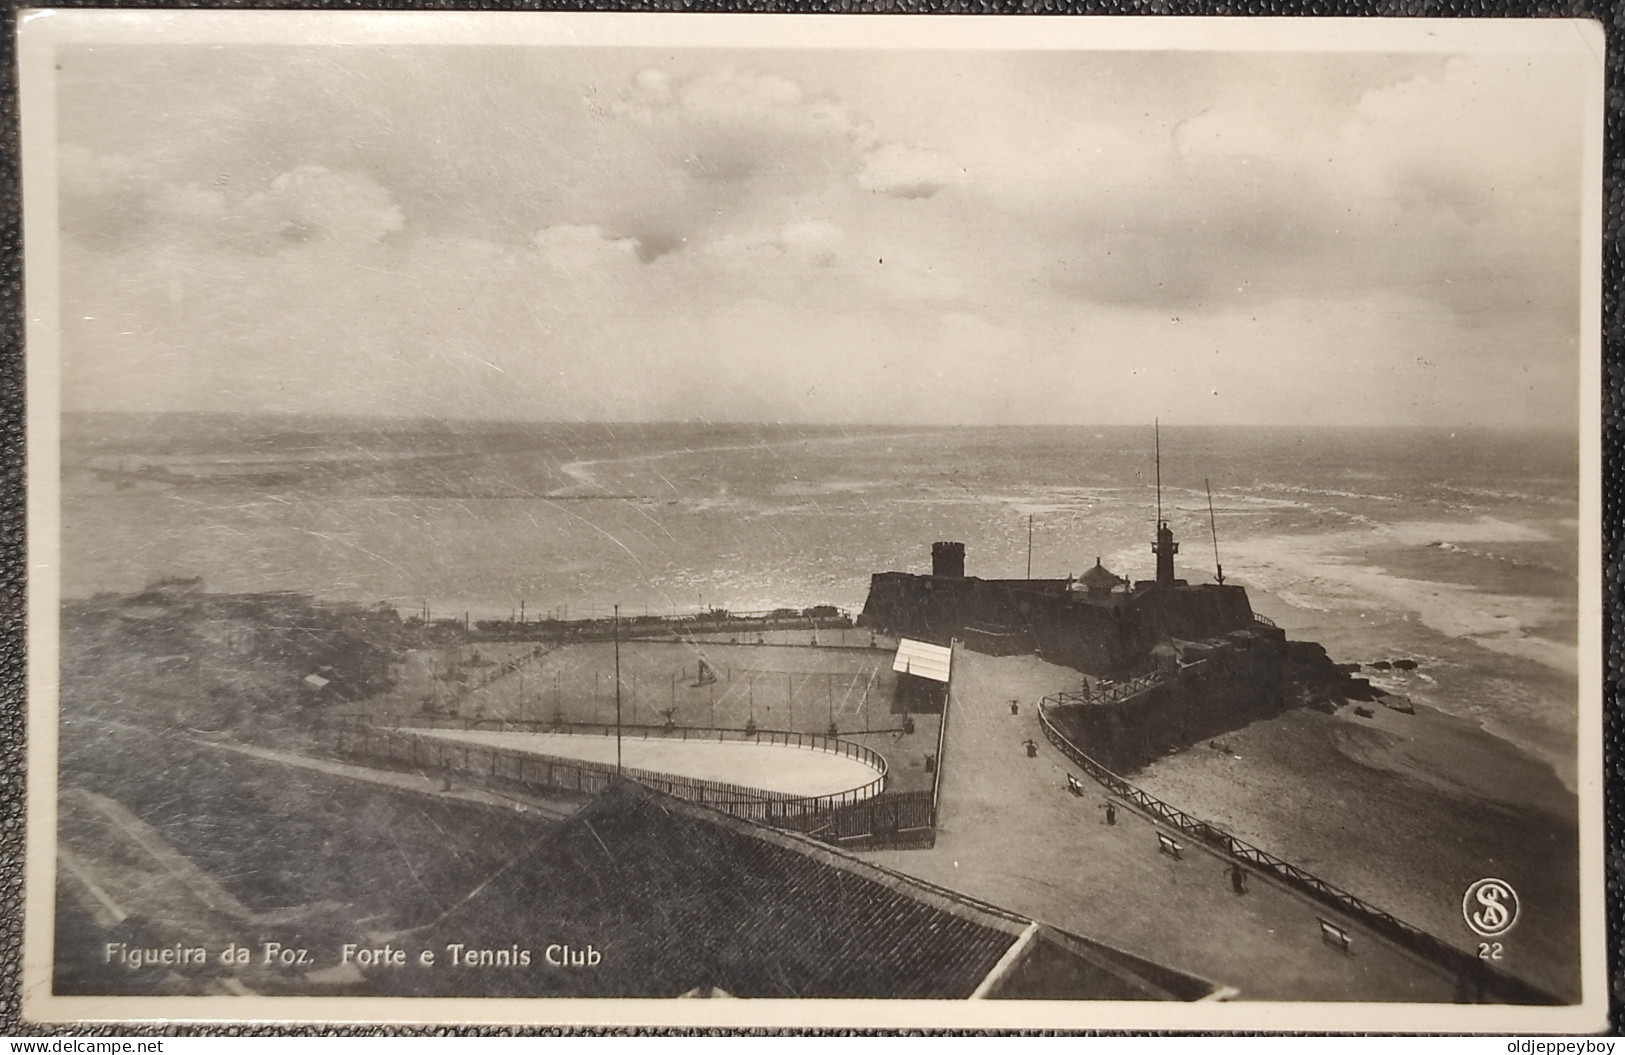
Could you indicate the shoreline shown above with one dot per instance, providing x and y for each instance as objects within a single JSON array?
[
  {"x": 1336, "y": 559},
  {"x": 1481, "y": 657}
]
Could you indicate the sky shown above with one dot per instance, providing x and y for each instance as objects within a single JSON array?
[{"x": 822, "y": 235}]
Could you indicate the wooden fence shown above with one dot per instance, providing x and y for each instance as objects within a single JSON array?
[
  {"x": 1484, "y": 982},
  {"x": 891, "y": 819}
]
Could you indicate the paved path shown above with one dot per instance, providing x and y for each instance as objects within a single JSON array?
[
  {"x": 800, "y": 771},
  {"x": 1011, "y": 833},
  {"x": 417, "y": 783}
]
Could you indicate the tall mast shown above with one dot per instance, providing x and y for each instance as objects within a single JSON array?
[
  {"x": 1157, "y": 426},
  {"x": 1214, "y": 524}
]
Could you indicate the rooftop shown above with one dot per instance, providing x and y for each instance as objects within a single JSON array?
[{"x": 677, "y": 898}]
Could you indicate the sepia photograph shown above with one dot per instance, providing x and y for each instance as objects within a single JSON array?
[{"x": 809, "y": 521}]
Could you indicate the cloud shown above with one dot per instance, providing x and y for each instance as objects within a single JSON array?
[
  {"x": 731, "y": 143},
  {"x": 189, "y": 202},
  {"x": 742, "y": 99},
  {"x": 84, "y": 173},
  {"x": 1443, "y": 137},
  {"x": 727, "y": 96},
  {"x": 110, "y": 200},
  {"x": 1420, "y": 185},
  {"x": 312, "y": 203},
  {"x": 582, "y": 248},
  {"x": 1371, "y": 359},
  {"x": 905, "y": 172},
  {"x": 600, "y": 236},
  {"x": 103, "y": 200},
  {"x": 796, "y": 245},
  {"x": 733, "y": 126}
]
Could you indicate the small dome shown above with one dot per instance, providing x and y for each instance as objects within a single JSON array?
[{"x": 1098, "y": 578}]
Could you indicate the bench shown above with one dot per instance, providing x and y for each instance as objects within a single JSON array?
[
  {"x": 1167, "y": 845},
  {"x": 1332, "y": 934}
]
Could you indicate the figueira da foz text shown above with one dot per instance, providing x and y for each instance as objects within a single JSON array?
[{"x": 274, "y": 955}]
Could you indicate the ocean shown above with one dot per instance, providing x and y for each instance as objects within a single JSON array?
[{"x": 1456, "y": 549}]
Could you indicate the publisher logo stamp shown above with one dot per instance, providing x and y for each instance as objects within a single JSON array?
[{"x": 1491, "y": 907}]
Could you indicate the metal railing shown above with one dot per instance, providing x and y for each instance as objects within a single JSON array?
[
  {"x": 1264, "y": 620},
  {"x": 771, "y": 737},
  {"x": 1114, "y": 692},
  {"x": 942, "y": 740},
  {"x": 418, "y": 747},
  {"x": 1458, "y": 961}
]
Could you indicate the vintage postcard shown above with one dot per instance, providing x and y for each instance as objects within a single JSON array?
[{"x": 814, "y": 521}]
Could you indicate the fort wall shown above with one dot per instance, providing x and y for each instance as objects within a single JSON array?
[
  {"x": 1007, "y": 616},
  {"x": 1236, "y": 681}
]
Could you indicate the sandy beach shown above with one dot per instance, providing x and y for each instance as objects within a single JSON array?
[
  {"x": 1485, "y": 607},
  {"x": 1402, "y": 810}
]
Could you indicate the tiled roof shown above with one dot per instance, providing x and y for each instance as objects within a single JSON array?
[{"x": 676, "y": 898}]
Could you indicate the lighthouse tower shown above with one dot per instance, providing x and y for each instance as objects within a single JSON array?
[{"x": 1165, "y": 547}]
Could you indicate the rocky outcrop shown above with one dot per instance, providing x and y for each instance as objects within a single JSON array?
[{"x": 1395, "y": 702}]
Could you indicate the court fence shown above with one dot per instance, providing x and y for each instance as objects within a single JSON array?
[
  {"x": 1477, "y": 980},
  {"x": 868, "y": 814},
  {"x": 770, "y": 737},
  {"x": 601, "y": 625}
]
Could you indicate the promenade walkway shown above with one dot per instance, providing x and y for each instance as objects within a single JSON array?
[{"x": 1010, "y": 832}]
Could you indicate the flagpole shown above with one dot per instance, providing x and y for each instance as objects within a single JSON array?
[
  {"x": 617, "y": 632},
  {"x": 1214, "y": 525}
]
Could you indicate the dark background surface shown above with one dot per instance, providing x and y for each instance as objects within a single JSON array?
[{"x": 13, "y": 574}]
